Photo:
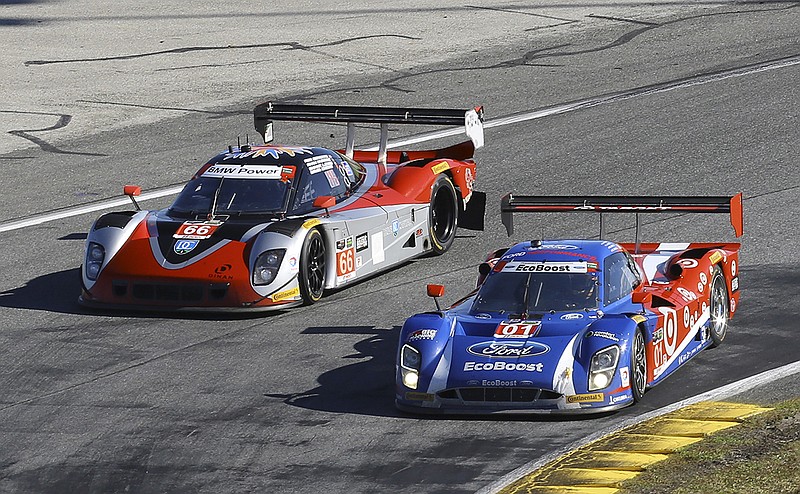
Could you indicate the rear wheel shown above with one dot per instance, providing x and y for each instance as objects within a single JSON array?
[
  {"x": 443, "y": 214},
  {"x": 312, "y": 267},
  {"x": 638, "y": 366},
  {"x": 719, "y": 315}
]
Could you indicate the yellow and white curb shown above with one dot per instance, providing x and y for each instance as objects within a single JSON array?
[{"x": 600, "y": 466}]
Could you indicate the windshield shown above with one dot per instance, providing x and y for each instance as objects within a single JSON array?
[
  {"x": 525, "y": 293},
  {"x": 231, "y": 196}
]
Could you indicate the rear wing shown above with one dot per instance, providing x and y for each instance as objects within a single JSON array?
[
  {"x": 471, "y": 120},
  {"x": 732, "y": 205}
]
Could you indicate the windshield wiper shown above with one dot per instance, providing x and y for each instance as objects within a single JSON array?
[{"x": 213, "y": 211}]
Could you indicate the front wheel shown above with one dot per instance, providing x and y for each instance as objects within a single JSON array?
[
  {"x": 312, "y": 267},
  {"x": 638, "y": 366},
  {"x": 718, "y": 309},
  {"x": 443, "y": 214}
]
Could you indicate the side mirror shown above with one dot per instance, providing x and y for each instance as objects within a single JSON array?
[
  {"x": 133, "y": 191},
  {"x": 436, "y": 291},
  {"x": 325, "y": 202},
  {"x": 641, "y": 297}
]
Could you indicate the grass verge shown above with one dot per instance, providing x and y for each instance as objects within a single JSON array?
[{"x": 760, "y": 456}]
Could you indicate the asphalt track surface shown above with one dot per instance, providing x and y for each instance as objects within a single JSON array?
[{"x": 302, "y": 401}]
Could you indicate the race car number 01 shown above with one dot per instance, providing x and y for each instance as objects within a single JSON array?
[
  {"x": 516, "y": 330},
  {"x": 197, "y": 231},
  {"x": 345, "y": 262}
]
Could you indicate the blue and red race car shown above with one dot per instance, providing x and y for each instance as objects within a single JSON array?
[{"x": 572, "y": 326}]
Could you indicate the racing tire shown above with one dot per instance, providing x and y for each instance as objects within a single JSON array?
[
  {"x": 312, "y": 267},
  {"x": 443, "y": 216},
  {"x": 638, "y": 366},
  {"x": 718, "y": 308}
]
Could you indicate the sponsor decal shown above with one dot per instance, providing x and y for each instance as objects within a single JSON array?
[
  {"x": 333, "y": 180},
  {"x": 492, "y": 383},
  {"x": 349, "y": 242},
  {"x": 273, "y": 151},
  {"x": 545, "y": 267},
  {"x": 362, "y": 242},
  {"x": 687, "y": 263},
  {"x": 197, "y": 230},
  {"x": 625, "y": 376},
  {"x": 715, "y": 257},
  {"x": 735, "y": 284},
  {"x": 658, "y": 335},
  {"x": 511, "y": 349},
  {"x": 513, "y": 255},
  {"x": 417, "y": 396},
  {"x": 221, "y": 272},
  {"x": 319, "y": 163},
  {"x": 473, "y": 382},
  {"x": 359, "y": 262},
  {"x": 309, "y": 224},
  {"x": 184, "y": 246},
  {"x": 733, "y": 305},
  {"x": 522, "y": 329},
  {"x": 244, "y": 171},
  {"x": 571, "y": 316},
  {"x": 469, "y": 179},
  {"x": 292, "y": 262},
  {"x": 421, "y": 334},
  {"x": 286, "y": 294},
  {"x": 502, "y": 366},
  {"x": 603, "y": 334},
  {"x": 587, "y": 398},
  {"x": 287, "y": 173},
  {"x": 418, "y": 233},
  {"x": 558, "y": 246},
  {"x": 395, "y": 227},
  {"x": 440, "y": 167},
  {"x": 340, "y": 244},
  {"x": 733, "y": 268},
  {"x": 619, "y": 398}
]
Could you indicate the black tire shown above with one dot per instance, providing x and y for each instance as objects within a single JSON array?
[
  {"x": 443, "y": 216},
  {"x": 312, "y": 267},
  {"x": 638, "y": 366},
  {"x": 718, "y": 308}
]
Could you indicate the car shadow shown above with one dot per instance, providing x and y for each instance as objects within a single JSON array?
[
  {"x": 58, "y": 292},
  {"x": 367, "y": 386}
]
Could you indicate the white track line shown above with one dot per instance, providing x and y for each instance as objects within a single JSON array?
[{"x": 429, "y": 136}]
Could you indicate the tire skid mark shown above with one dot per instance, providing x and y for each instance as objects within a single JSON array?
[
  {"x": 287, "y": 45},
  {"x": 63, "y": 121},
  {"x": 512, "y": 11}
]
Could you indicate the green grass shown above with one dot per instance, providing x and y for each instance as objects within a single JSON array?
[{"x": 760, "y": 456}]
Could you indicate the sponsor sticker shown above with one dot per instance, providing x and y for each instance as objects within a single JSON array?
[
  {"x": 503, "y": 366},
  {"x": 395, "y": 227},
  {"x": 603, "y": 334},
  {"x": 309, "y": 224},
  {"x": 522, "y": 329},
  {"x": 319, "y": 163},
  {"x": 735, "y": 284},
  {"x": 571, "y": 316},
  {"x": 619, "y": 398},
  {"x": 511, "y": 349},
  {"x": 625, "y": 376},
  {"x": 440, "y": 167},
  {"x": 286, "y": 294},
  {"x": 421, "y": 334},
  {"x": 244, "y": 171},
  {"x": 492, "y": 383},
  {"x": 362, "y": 242},
  {"x": 545, "y": 267},
  {"x": 715, "y": 257},
  {"x": 184, "y": 246},
  {"x": 197, "y": 230},
  {"x": 587, "y": 398}
]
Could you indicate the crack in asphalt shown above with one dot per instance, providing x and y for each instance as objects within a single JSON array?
[{"x": 288, "y": 45}]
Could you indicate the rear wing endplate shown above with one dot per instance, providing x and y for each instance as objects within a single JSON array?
[
  {"x": 471, "y": 119},
  {"x": 732, "y": 205}
]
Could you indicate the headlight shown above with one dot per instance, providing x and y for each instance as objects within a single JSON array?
[
  {"x": 95, "y": 255},
  {"x": 410, "y": 360},
  {"x": 267, "y": 265},
  {"x": 602, "y": 368}
]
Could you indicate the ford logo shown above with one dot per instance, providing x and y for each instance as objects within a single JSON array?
[
  {"x": 513, "y": 349},
  {"x": 571, "y": 317}
]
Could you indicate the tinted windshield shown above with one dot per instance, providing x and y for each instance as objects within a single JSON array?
[
  {"x": 231, "y": 196},
  {"x": 526, "y": 293}
]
